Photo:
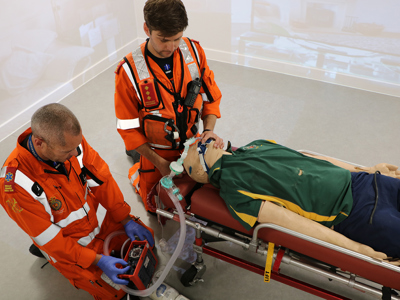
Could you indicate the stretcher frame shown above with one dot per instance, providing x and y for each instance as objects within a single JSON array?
[{"x": 338, "y": 264}]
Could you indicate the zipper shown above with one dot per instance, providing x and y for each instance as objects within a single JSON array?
[{"x": 58, "y": 188}]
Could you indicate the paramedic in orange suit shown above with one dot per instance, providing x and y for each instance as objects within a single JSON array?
[
  {"x": 151, "y": 85},
  {"x": 62, "y": 194}
]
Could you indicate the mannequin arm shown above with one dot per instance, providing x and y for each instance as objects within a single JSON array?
[
  {"x": 383, "y": 168},
  {"x": 271, "y": 213}
]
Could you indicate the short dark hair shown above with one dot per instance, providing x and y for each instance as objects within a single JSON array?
[
  {"x": 52, "y": 121},
  {"x": 167, "y": 16}
]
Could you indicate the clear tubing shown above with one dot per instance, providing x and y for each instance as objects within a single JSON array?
[
  {"x": 178, "y": 249},
  {"x": 172, "y": 191}
]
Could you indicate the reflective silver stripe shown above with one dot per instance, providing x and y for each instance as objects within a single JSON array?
[
  {"x": 187, "y": 56},
  {"x": 193, "y": 70},
  {"x": 92, "y": 183},
  {"x": 47, "y": 235},
  {"x": 74, "y": 216},
  {"x": 128, "y": 124},
  {"x": 101, "y": 212},
  {"x": 140, "y": 64},
  {"x": 23, "y": 181}
]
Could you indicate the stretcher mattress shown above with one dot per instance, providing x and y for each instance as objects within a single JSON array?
[{"x": 208, "y": 205}]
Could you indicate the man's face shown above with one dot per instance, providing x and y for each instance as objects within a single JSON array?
[
  {"x": 162, "y": 46},
  {"x": 56, "y": 152}
]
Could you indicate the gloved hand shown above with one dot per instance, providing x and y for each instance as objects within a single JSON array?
[
  {"x": 132, "y": 228},
  {"x": 107, "y": 264}
]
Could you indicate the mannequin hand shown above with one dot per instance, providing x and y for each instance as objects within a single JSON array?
[
  {"x": 107, "y": 264},
  {"x": 219, "y": 143},
  {"x": 392, "y": 261},
  {"x": 132, "y": 228},
  {"x": 366, "y": 250},
  {"x": 386, "y": 169}
]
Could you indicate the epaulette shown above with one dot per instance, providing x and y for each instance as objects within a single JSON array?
[
  {"x": 197, "y": 42},
  {"x": 119, "y": 66}
]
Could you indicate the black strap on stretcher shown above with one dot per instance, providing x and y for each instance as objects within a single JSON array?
[
  {"x": 188, "y": 197},
  {"x": 387, "y": 293}
]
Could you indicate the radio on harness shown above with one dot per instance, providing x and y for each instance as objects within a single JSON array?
[
  {"x": 142, "y": 263},
  {"x": 193, "y": 90}
]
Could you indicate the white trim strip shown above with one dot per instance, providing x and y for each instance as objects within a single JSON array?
[
  {"x": 26, "y": 183},
  {"x": 161, "y": 146},
  {"x": 204, "y": 96},
  {"x": 47, "y": 235},
  {"x": 80, "y": 156},
  {"x": 129, "y": 73},
  {"x": 92, "y": 183},
  {"x": 3, "y": 172},
  {"x": 74, "y": 216},
  {"x": 128, "y": 124},
  {"x": 87, "y": 239},
  {"x": 197, "y": 52},
  {"x": 101, "y": 213}
]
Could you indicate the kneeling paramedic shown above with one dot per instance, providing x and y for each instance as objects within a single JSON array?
[
  {"x": 162, "y": 90},
  {"x": 62, "y": 194}
]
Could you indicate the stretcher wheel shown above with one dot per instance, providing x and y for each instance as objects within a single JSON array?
[{"x": 188, "y": 277}]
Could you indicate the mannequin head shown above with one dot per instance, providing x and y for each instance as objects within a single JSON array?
[{"x": 192, "y": 163}]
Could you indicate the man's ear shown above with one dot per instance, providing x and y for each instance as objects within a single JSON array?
[
  {"x": 146, "y": 29},
  {"x": 201, "y": 176},
  {"x": 38, "y": 142}
]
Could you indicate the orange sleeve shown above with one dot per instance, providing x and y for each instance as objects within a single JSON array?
[
  {"x": 127, "y": 108},
  {"x": 107, "y": 193},
  {"x": 209, "y": 86},
  {"x": 32, "y": 218}
]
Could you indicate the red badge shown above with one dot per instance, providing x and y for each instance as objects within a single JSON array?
[
  {"x": 149, "y": 94},
  {"x": 9, "y": 179}
]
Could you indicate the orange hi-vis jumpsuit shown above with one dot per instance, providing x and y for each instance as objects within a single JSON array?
[
  {"x": 67, "y": 216},
  {"x": 149, "y": 107}
]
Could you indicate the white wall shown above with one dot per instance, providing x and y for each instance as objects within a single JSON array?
[
  {"x": 48, "y": 48},
  {"x": 354, "y": 43}
]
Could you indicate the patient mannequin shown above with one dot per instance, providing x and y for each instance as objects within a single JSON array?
[{"x": 336, "y": 211}]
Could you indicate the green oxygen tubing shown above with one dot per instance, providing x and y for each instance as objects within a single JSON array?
[{"x": 173, "y": 192}]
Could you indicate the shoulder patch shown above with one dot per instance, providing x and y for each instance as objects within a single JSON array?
[
  {"x": 9, "y": 179},
  {"x": 119, "y": 66},
  {"x": 194, "y": 41}
]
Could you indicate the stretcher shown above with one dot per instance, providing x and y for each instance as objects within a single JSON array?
[{"x": 338, "y": 264}]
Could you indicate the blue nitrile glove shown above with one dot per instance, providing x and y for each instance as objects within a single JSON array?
[
  {"x": 107, "y": 264},
  {"x": 132, "y": 228}
]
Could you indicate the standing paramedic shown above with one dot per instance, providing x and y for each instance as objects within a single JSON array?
[
  {"x": 162, "y": 90},
  {"x": 62, "y": 194}
]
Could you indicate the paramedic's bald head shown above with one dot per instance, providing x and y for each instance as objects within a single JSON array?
[
  {"x": 51, "y": 122},
  {"x": 192, "y": 163}
]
